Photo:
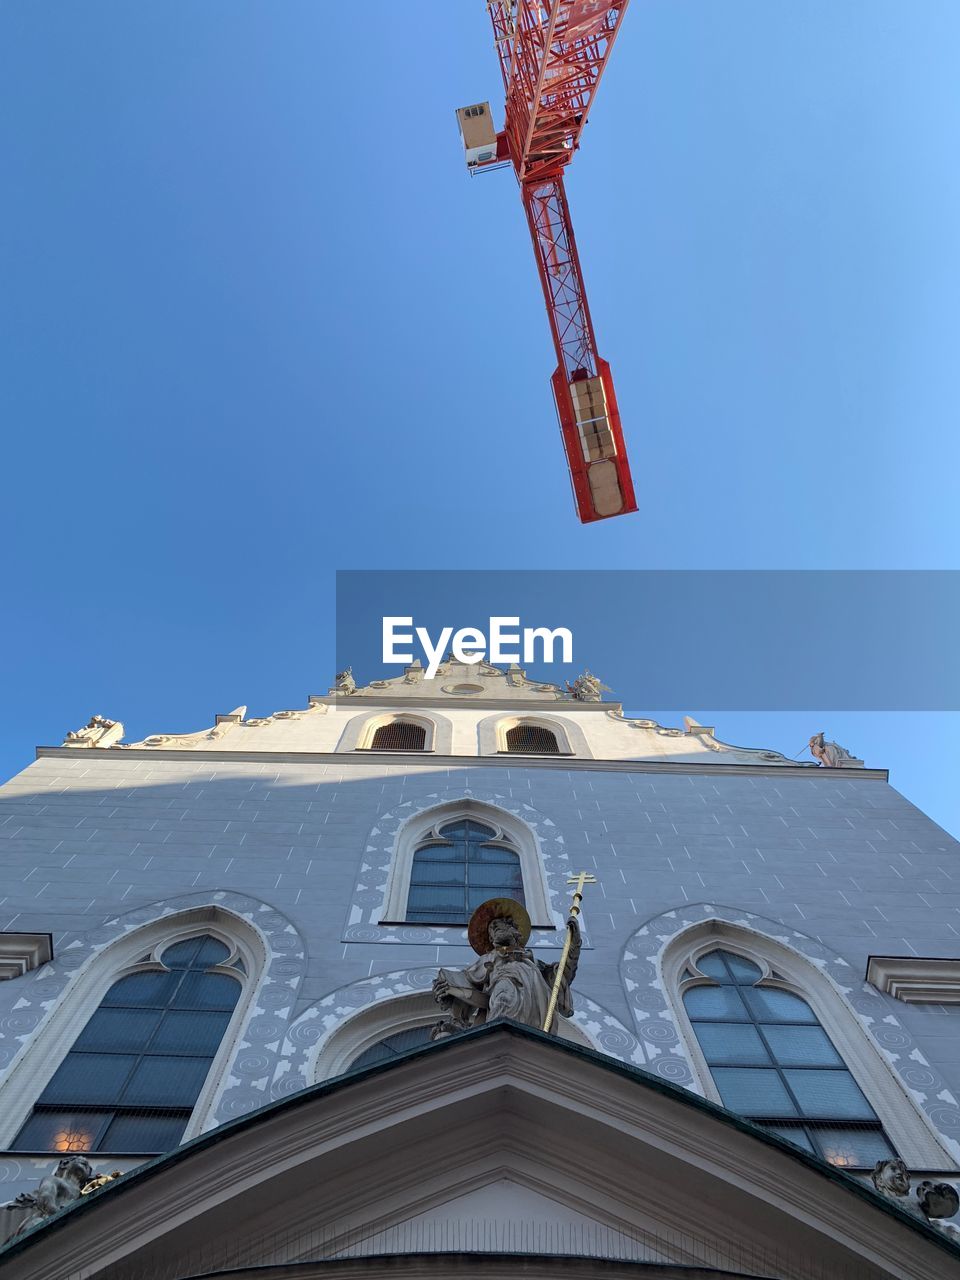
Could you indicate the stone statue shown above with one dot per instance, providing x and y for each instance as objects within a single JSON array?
[
  {"x": 891, "y": 1178},
  {"x": 937, "y": 1199},
  {"x": 55, "y": 1192},
  {"x": 588, "y": 688},
  {"x": 507, "y": 981},
  {"x": 832, "y": 754},
  {"x": 98, "y": 732},
  {"x": 345, "y": 681}
]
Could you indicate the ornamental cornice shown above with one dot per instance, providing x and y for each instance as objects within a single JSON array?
[
  {"x": 408, "y": 759},
  {"x": 917, "y": 979}
]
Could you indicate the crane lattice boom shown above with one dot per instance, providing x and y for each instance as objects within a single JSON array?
[{"x": 552, "y": 56}]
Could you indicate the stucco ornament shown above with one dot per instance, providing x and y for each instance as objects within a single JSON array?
[
  {"x": 345, "y": 682},
  {"x": 588, "y": 688},
  {"x": 891, "y": 1178},
  {"x": 507, "y": 981},
  {"x": 832, "y": 754},
  {"x": 97, "y": 732},
  {"x": 55, "y": 1192},
  {"x": 937, "y": 1199}
]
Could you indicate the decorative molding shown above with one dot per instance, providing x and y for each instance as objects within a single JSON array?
[
  {"x": 916, "y": 979},
  {"x": 571, "y": 764},
  {"x": 21, "y": 952}
]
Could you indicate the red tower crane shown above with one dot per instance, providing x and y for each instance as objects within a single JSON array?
[{"x": 552, "y": 56}]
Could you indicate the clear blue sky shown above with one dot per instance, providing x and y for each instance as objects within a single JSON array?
[{"x": 256, "y": 324}]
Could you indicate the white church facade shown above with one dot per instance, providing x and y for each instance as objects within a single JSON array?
[{"x": 219, "y": 950}]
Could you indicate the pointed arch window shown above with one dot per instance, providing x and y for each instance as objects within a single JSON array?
[
  {"x": 133, "y": 1075},
  {"x": 462, "y": 867},
  {"x": 772, "y": 1061}
]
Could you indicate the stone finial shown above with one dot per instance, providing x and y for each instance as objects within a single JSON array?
[
  {"x": 832, "y": 755},
  {"x": 97, "y": 732},
  {"x": 588, "y": 688}
]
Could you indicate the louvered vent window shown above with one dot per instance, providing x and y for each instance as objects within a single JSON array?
[
  {"x": 532, "y": 738},
  {"x": 401, "y": 735}
]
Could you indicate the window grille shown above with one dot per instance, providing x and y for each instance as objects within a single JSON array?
[
  {"x": 133, "y": 1076},
  {"x": 399, "y": 735},
  {"x": 532, "y": 738},
  {"x": 772, "y": 1061},
  {"x": 453, "y": 875},
  {"x": 392, "y": 1046}
]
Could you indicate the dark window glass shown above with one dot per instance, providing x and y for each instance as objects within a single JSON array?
[
  {"x": 854, "y": 1148},
  {"x": 390, "y": 1046},
  {"x": 89, "y": 1077},
  {"x": 207, "y": 991},
  {"x": 143, "y": 989},
  {"x": 135, "y": 1071},
  {"x": 165, "y": 1082},
  {"x": 771, "y": 1060},
  {"x": 62, "y": 1130},
  {"x": 190, "y": 1033},
  {"x": 142, "y": 1132},
  {"x": 794, "y": 1133},
  {"x": 532, "y": 738},
  {"x": 116, "y": 1030},
  {"x": 716, "y": 1003},
  {"x": 401, "y": 735},
  {"x": 754, "y": 1091},
  {"x": 732, "y": 1042},
  {"x": 453, "y": 876}
]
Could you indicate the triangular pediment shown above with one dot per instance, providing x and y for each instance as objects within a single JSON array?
[{"x": 500, "y": 1141}]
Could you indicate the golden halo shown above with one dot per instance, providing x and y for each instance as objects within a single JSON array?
[{"x": 496, "y": 909}]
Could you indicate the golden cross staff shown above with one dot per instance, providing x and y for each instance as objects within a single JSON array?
[{"x": 580, "y": 879}]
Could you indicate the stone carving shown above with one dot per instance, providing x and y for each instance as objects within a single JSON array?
[
  {"x": 891, "y": 1178},
  {"x": 588, "y": 688},
  {"x": 832, "y": 754},
  {"x": 937, "y": 1199},
  {"x": 507, "y": 981},
  {"x": 345, "y": 682},
  {"x": 55, "y": 1192},
  {"x": 97, "y": 732}
]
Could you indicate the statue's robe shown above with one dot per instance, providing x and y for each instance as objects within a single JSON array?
[{"x": 511, "y": 983}]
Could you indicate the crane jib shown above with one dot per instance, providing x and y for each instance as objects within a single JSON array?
[{"x": 552, "y": 56}]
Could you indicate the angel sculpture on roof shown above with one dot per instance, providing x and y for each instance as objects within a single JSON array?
[{"x": 588, "y": 687}]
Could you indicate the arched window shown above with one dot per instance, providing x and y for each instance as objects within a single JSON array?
[
  {"x": 463, "y": 866},
  {"x": 772, "y": 1061},
  {"x": 399, "y": 735},
  {"x": 133, "y": 1075},
  {"x": 391, "y": 1046},
  {"x": 532, "y": 738}
]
